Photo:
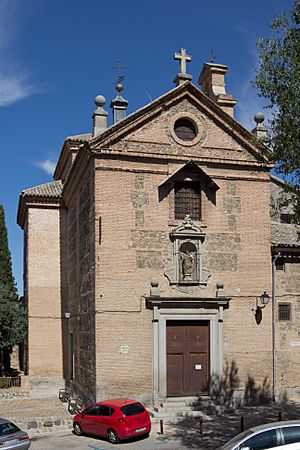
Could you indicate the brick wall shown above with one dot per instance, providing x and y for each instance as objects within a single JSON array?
[
  {"x": 44, "y": 309},
  {"x": 135, "y": 246}
]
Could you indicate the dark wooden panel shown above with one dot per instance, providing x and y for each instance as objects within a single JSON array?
[
  {"x": 198, "y": 376},
  {"x": 176, "y": 338},
  {"x": 187, "y": 357},
  {"x": 198, "y": 337},
  {"x": 175, "y": 374}
]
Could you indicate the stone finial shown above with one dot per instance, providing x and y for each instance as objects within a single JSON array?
[
  {"x": 155, "y": 290},
  {"x": 99, "y": 116},
  {"x": 182, "y": 76},
  {"x": 212, "y": 82},
  {"x": 119, "y": 104},
  {"x": 220, "y": 289},
  {"x": 260, "y": 131}
]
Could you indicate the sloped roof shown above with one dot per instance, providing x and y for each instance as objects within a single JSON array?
[
  {"x": 191, "y": 165},
  {"x": 52, "y": 189},
  {"x": 80, "y": 137},
  {"x": 47, "y": 193},
  {"x": 285, "y": 234}
]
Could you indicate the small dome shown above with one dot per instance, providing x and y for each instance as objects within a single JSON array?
[
  {"x": 259, "y": 117},
  {"x": 100, "y": 100}
]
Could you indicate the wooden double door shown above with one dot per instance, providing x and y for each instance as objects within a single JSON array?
[{"x": 187, "y": 357}]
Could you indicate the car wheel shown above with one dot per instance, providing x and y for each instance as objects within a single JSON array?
[
  {"x": 113, "y": 437},
  {"x": 77, "y": 429}
]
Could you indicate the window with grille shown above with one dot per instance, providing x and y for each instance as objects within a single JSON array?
[
  {"x": 287, "y": 218},
  {"x": 279, "y": 263},
  {"x": 284, "y": 311},
  {"x": 187, "y": 200},
  {"x": 185, "y": 130}
]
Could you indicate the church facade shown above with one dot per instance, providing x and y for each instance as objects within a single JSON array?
[{"x": 152, "y": 263}]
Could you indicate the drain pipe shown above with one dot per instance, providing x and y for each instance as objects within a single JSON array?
[{"x": 273, "y": 327}]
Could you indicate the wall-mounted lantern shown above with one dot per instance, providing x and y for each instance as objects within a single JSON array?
[{"x": 264, "y": 298}]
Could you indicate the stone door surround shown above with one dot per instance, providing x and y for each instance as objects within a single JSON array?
[{"x": 167, "y": 309}]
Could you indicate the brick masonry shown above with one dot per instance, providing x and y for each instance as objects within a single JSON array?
[{"x": 96, "y": 257}]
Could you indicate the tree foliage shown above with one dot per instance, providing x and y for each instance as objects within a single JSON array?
[
  {"x": 278, "y": 80},
  {"x": 13, "y": 322},
  {"x": 6, "y": 275}
]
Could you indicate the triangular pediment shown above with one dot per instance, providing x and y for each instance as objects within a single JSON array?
[
  {"x": 150, "y": 131},
  {"x": 189, "y": 168}
]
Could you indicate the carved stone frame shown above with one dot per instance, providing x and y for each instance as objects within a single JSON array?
[{"x": 187, "y": 232}]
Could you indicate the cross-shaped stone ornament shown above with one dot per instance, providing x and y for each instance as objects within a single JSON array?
[{"x": 183, "y": 58}]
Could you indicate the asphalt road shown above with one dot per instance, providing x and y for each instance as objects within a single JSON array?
[{"x": 66, "y": 440}]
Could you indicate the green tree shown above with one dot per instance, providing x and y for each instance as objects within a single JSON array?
[
  {"x": 6, "y": 275},
  {"x": 278, "y": 80},
  {"x": 13, "y": 321}
]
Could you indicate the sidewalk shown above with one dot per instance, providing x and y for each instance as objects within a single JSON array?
[
  {"x": 36, "y": 415},
  {"x": 218, "y": 429},
  {"x": 49, "y": 415}
]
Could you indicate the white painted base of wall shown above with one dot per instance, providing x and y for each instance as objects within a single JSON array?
[{"x": 45, "y": 386}]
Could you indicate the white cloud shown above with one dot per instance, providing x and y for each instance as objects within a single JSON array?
[
  {"x": 48, "y": 165},
  {"x": 15, "y": 83},
  {"x": 249, "y": 102},
  {"x": 14, "y": 88}
]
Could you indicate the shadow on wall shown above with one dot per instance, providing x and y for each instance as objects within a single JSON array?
[
  {"x": 257, "y": 395},
  {"x": 221, "y": 414},
  {"x": 224, "y": 390}
]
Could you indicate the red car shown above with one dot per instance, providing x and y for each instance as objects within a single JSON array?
[{"x": 115, "y": 419}]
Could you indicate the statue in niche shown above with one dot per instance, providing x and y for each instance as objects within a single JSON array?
[{"x": 188, "y": 257}]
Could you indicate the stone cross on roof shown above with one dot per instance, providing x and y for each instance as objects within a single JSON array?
[{"x": 183, "y": 57}]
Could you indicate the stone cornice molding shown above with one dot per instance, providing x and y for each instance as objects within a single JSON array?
[
  {"x": 286, "y": 249},
  {"x": 188, "y": 302},
  {"x": 68, "y": 148},
  {"x": 82, "y": 158},
  {"x": 38, "y": 201}
]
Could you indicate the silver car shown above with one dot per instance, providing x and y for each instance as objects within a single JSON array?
[
  {"x": 276, "y": 435},
  {"x": 11, "y": 437}
]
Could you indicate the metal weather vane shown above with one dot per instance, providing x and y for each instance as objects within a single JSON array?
[{"x": 119, "y": 68}]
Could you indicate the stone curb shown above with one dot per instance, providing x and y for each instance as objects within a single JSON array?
[
  {"x": 46, "y": 426},
  {"x": 35, "y": 427}
]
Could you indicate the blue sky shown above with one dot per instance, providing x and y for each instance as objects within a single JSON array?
[{"x": 56, "y": 56}]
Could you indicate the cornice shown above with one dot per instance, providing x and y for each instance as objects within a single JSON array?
[
  {"x": 82, "y": 158},
  {"x": 26, "y": 202},
  {"x": 104, "y": 152}
]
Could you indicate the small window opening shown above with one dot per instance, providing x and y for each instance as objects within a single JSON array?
[
  {"x": 287, "y": 218},
  {"x": 279, "y": 263},
  {"x": 187, "y": 200},
  {"x": 284, "y": 311},
  {"x": 185, "y": 130}
]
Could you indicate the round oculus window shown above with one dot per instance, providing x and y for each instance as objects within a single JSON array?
[{"x": 185, "y": 129}]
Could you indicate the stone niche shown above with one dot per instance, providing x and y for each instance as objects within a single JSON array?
[{"x": 187, "y": 273}]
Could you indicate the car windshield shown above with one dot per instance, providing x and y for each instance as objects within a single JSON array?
[
  {"x": 237, "y": 439},
  {"x": 132, "y": 409},
  {"x": 8, "y": 428}
]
